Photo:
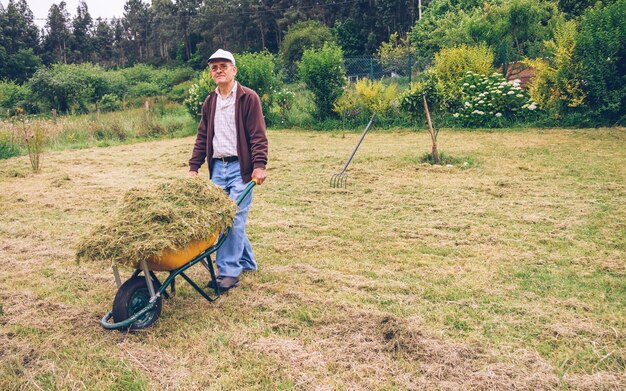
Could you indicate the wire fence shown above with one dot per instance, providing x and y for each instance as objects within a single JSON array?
[{"x": 366, "y": 67}]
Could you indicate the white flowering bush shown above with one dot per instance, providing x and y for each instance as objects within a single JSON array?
[
  {"x": 490, "y": 100},
  {"x": 198, "y": 92},
  {"x": 284, "y": 99}
]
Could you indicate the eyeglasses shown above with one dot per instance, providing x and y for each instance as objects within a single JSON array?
[{"x": 216, "y": 67}]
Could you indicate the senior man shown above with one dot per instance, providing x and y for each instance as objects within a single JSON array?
[{"x": 232, "y": 138}]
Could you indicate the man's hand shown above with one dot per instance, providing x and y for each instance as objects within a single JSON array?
[
  {"x": 259, "y": 174},
  {"x": 192, "y": 173}
]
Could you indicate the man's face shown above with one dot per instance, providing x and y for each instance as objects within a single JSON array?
[{"x": 223, "y": 72}]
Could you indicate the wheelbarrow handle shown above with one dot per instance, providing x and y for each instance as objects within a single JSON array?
[
  {"x": 104, "y": 322},
  {"x": 246, "y": 191}
]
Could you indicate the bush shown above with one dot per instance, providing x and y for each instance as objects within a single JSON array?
[
  {"x": 301, "y": 36},
  {"x": 257, "y": 71},
  {"x": 394, "y": 55},
  {"x": 64, "y": 87},
  {"x": 556, "y": 86},
  {"x": 323, "y": 73},
  {"x": 144, "y": 89},
  {"x": 13, "y": 95},
  {"x": 283, "y": 98},
  {"x": 453, "y": 63},
  {"x": 412, "y": 100},
  {"x": 490, "y": 100},
  {"x": 198, "y": 93},
  {"x": 110, "y": 102},
  {"x": 601, "y": 52}
]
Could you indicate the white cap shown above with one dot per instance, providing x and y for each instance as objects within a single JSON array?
[{"x": 221, "y": 54}]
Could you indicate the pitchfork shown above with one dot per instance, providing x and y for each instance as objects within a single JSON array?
[{"x": 341, "y": 179}]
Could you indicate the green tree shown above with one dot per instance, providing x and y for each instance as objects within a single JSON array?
[
  {"x": 300, "y": 37},
  {"x": 56, "y": 41},
  {"x": 258, "y": 71},
  {"x": 577, "y": 7},
  {"x": 103, "y": 42},
  {"x": 136, "y": 25},
  {"x": 394, "y": 55},
  {"x": 19, "y": 42},
  {"x": 81, "y": 43},
  {"x": 349, "y": 37},
  {"x": 601, "y": 52},
  {"x": 323, "y": 73}
]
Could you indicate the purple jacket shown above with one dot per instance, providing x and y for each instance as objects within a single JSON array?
[{"x": 252, "y": 143}]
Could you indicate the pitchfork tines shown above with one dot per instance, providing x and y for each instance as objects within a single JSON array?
[{"x": 341, "y": 179}]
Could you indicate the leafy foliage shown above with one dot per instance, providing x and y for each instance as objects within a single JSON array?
[
  {"x": 300, "y": 37},
  {"x": 489, "y": 100},
  {"x": 451, "y": 64},
  {"x": 394, "y": 54},
  {"x": 324, "y": 74},
  {"x": 258, "y": 71},
  {"x": 198, "y": 93},
  {"x": 557, "y": 84},
  {"x": 601, "y": 52},
  {"x": 412, "y": 100},
  {"x": 13, "y": 95}
]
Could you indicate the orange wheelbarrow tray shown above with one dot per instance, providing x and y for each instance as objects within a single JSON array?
[{"x": 137, "y": 304}]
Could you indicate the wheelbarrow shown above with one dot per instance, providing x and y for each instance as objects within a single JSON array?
[{"x": 137, "y": 304}]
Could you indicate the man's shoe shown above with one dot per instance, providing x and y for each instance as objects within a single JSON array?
[
  {"x": 214, "y": 284},
  {"x": 226, "y": 283}
]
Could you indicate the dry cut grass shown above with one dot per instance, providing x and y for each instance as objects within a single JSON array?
[{"x": 509, "y": 274}]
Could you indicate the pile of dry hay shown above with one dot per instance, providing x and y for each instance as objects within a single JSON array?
[{"x": 168, "y": 216}]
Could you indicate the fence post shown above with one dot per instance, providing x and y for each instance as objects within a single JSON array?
[
  {"x": 54, "y": 116},
  {"x": 147, "y": 112},
  {"x": 371, "y": 68},
  {"x": 98, "y": 111},
  {"x": 410, "y": 68}
]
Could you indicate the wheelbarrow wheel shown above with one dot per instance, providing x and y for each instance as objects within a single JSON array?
[{"x": 132, "y": 297}]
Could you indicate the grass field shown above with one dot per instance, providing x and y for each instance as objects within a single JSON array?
[{"x": 508, "y": 273}]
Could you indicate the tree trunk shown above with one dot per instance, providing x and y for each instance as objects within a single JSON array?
[{"x": 433, "y": 133}]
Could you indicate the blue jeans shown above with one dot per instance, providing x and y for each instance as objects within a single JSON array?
[{"x": 235, "y": 255}]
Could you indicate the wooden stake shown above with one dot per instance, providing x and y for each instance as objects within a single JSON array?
[{"x": 433, "y": 132}]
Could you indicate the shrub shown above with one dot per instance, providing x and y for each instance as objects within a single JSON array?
[
  {"x": 64, "y": 87},
  {"x": 556, "y": 86},
  {"x": 257, "y": 71},
  {"x": 110, "y": 102},
  {"x": 394, "y": 55},
  {"x": 601, "y": 52},
  {"x": 324, "y": 74},
  {"x": 198, "y": 93},
  {"x": 348, "y": 106},
  {"x": 33, "y": 136},
  {"x": 375, "y": 96},
  {"x": 453, "y": 63},
  {"x": 13, "y": 95},
  {"x": 412, "y": 101},
  {"x": 489, "y": 100},
  {"x": 144, "y": 89},
  {"x": 284, "y": 99},
  {"x": 301, "y": 36}
]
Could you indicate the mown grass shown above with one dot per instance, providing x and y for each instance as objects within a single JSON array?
[{"x": 507, "y": 274}]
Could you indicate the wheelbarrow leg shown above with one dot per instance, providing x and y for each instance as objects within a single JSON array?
[
  {"x": 116, "y": 274},
  {"x": 208, "y": 263},
  {"x": 146, "y": 274}
]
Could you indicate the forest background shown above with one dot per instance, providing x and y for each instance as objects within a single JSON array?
[{"x": 575, "y": 50}]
